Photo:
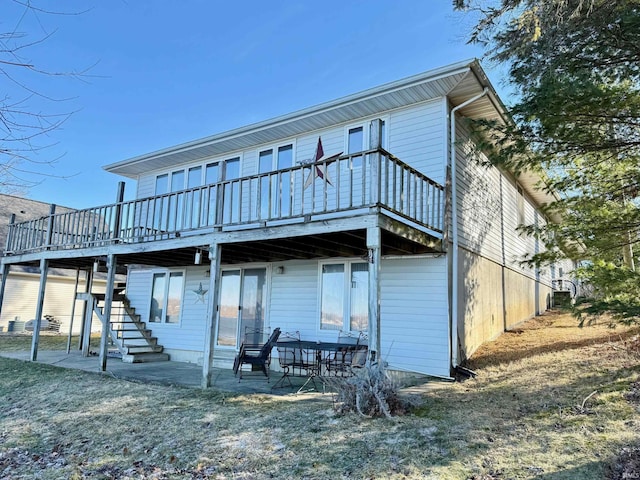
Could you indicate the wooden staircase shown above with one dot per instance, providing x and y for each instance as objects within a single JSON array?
[{"x": 129, "y": 334}]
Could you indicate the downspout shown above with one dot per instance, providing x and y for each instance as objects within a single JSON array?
[{"x": 454, "y": 227}]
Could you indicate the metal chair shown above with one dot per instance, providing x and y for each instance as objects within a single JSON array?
[
  {"x": 339, "y": 362},
  {"x": 256, "y": 355},
  {"x": 289, "y": 357}
]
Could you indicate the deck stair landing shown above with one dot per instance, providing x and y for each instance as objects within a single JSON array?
[{"x": 129, "y": 334}]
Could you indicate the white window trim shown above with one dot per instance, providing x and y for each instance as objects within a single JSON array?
[
  {"x": 274, "y": 148},
  {"x": 365, "y": 124},
  {"x": 266, "y": 308},
  {"x": 346, "y": 313},
  {"x": 168, "y": 271},
  {"x": 203, "y": 165}
]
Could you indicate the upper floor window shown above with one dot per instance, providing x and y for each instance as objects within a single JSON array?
[
  {"x": 520, "y": 205},
  {"x": 197, "y": 176},
  {"x": 275, "y": 190},
  {"x": 358, "y": 138}
]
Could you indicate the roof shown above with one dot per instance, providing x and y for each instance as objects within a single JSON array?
[{"x": 459, "y": 82}]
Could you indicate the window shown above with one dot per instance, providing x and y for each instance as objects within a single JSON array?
[
  {"x": 275, "y": 190},
  {"x": 520, "y": 205},
  {"x": 166, "y": 297},
  {"x": 344, "y": 303},
  {"x": 162, "y": 184},
  {"x": 355, "y": 144},
  {"x": 358, "y": 138}
]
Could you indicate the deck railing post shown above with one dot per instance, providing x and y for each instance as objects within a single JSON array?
[
  {"x": 118, "y": 217},
  {"x": 375, "y": 143},
  {"x": 52, "y": 212},
  {"x": 10, "y": 235}
]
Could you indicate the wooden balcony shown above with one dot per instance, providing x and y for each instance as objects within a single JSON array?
[{"x": 372, "y": 181}]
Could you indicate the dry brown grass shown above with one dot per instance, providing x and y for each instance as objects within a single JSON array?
[
  {"x": 551, "y": 332},
  {"x": 12, "y": 342},
  {"x": 524, "y": 416}
]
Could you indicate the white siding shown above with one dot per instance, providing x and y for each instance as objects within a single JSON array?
[
  {"x": 414, "y": 324},
  {"x": 417, "y": 136},
  {"x": 414, "y": 315},
  {"x": 146, "y": 186},
  {"x": 488, "y": 213},
  {"x": 479, "y": 197},
  {"x": 188, "y": 334}
]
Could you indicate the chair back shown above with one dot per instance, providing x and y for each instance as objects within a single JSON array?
[
  {"x": 287, "y": 353},
  {"x": 348, "y": 338},
  {"x": 267, "y": 347}
]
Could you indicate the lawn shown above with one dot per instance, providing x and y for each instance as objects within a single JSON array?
[{"x": 531, "y": 412}]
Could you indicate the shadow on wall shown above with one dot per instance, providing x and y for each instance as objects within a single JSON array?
[{"x": 480, "y": 281}]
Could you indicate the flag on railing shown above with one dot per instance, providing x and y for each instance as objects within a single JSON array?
[{"x": 320, "y": 170}]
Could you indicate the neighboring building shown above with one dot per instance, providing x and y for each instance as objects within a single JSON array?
[
  {"x": 21, "y": 294},
  {"x": 242, "y": 229}
]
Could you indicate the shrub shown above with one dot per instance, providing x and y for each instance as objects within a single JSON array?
[{"x": 370, "y": 392}]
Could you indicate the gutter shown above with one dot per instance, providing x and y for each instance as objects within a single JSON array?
[{"x": 454, "y": 227}]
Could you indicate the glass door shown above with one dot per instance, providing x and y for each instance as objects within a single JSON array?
[{"x": 243, "y": 297}]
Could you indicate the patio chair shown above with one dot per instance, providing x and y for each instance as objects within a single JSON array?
[
  {"x": 339, "y": 362},
  {"x": 256, "y": 355},
  {"x": 289, "y": 356}
]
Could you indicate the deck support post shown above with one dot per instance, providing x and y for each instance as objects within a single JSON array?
[
  {"x": 73, "y": 310},
  {"x": 85, "y": 335},
  {"x": 106, "y": 312},
  {"x": 44, "y": 267},
  {"x": 6, "y": 267},
  {"x": 212, "y": 309},
  {"x": 374, "y": 246}
]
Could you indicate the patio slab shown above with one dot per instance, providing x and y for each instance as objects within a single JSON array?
[
  {"x": 189, "y": 375},
  {"x": 160, "y": 373}
]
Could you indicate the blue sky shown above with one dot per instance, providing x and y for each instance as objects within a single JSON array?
[{"x": 166, "y": 72}]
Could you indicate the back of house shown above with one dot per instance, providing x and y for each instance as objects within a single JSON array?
[{"x": 343, "y": 217}]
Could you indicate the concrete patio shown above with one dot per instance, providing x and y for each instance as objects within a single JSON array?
[
  {"x": 189, "y": 375},
  {"x": 161, "y": 373}
]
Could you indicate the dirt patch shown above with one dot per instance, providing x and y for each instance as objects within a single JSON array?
[{"x": 552, "y": 332}]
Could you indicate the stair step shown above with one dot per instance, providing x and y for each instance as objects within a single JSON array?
[
  {"x": 145, "y": 357},
  {"x": 138, "y": 336},
  {"x": 125, "y": 331},
  {"x": 134, "y": 349},
  {"x": 128, "y": 324},
  {"x": 139, "y": 341}
]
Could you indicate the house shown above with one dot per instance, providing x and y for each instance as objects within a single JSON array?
[
  {"x": 21, "y": 294},
  {"x": 362, "y": 213}
]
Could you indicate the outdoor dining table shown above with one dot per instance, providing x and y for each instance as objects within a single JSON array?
[{"x": 312, "y": 359}]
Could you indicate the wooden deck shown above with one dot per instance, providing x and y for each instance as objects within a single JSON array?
[{"x": 327, "y": 193}]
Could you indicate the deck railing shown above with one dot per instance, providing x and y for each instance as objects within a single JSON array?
[{"x": 373, "y": 178}]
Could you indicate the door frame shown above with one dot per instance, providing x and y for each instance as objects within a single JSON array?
[{"x": 266, "y": 308}]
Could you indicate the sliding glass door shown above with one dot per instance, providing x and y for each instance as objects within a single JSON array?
[{"x": 243, "y": 297}]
